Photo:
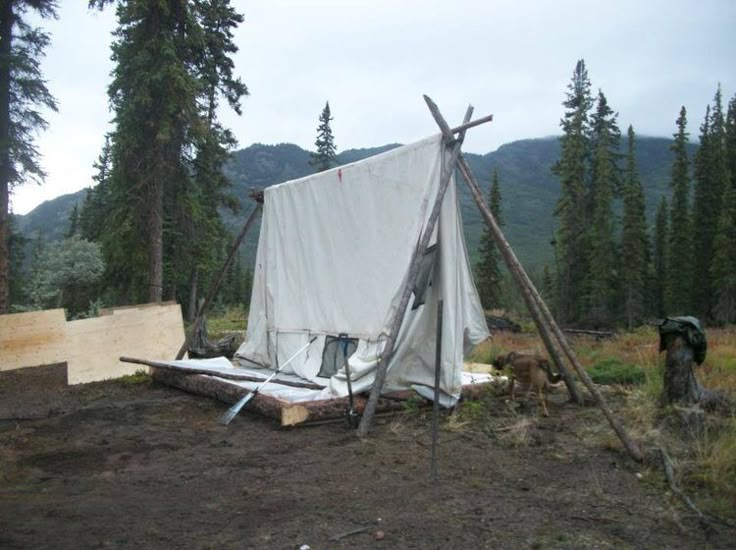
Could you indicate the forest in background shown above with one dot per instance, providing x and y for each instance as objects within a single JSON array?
[{"x": 158, "y": 223}]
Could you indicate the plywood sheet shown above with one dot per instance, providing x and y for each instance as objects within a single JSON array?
[
  {"x": 32, "y": 339},
  {"x": 90, "y": 347},
  {"x": 95, "y": 345}
]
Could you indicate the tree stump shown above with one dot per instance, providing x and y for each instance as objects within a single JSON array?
[{"x": 680, "y": 385}]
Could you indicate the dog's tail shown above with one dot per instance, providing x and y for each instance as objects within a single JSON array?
[{"x": 551, "y": 376}]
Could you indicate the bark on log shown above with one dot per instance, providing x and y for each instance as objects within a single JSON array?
[{"x": 287, "y": 413}]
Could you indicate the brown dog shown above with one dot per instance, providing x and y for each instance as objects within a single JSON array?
[{"x": 530, "y": 371}]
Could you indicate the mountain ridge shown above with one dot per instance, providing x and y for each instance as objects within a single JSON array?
[{"x": 529, "y": 190}]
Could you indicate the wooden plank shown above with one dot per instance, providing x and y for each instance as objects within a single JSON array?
[
  {"x": 32, "y": 338},
  {"x": 122, "y": 309},
  {"x": 93, "y": 346}
]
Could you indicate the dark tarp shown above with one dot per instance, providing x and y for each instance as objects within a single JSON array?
[{"x": 687, "y": 327}]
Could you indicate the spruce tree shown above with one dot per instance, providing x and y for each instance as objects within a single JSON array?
[
  {"x": 723, "y": 269},
  {"x": 634, "y": 241},
  {"x": 710, "y": 181},
  {"x": 488, "y": 268},
  {"x": 73, "y": 228},
  {"x": 173, "y": 60},
  {"x": 724, "y": 260},
  {"x": 571, "y": 207},
  {"x": 601, "y": 279},
  {"x": 659, "y": 268},
  {"x": 680, "y": 248},
  {"x": 22, "y": 91},
  {"x": 325, "y": 156}
]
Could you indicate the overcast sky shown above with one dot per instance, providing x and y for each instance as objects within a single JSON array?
[{"x": 374, "y": 59}]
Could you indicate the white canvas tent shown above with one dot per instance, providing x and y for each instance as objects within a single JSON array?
[{"x": 333, "y": 255}]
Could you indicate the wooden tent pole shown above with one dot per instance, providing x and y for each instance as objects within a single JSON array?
[
  {"x": 628, "y": 443},
  {"x": 216, "y": 285},
  {"x": 527, "y": 286},
  {"x": 388, "y": 350},
  {"x": 514, "y": 266}
]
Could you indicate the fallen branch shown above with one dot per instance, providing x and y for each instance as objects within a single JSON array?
[{"x": 669, "y": 472}]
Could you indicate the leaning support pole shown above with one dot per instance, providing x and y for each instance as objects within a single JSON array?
[
  {"x": 388, "y": 350},
  {"x": 515, "y": 267},
  {"x": 216, "y": 285},
  {"x": 527, "y": 287}
]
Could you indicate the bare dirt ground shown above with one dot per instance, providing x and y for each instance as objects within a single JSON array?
[{"x": 126, "y": 465}]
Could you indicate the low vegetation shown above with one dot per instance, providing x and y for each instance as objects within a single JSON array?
[{"x": 630, "y": 368}]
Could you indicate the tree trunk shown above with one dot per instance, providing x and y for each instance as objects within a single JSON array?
[
  {"x": 156, "y": 246},
  {"x": 6, "y": 28},
  {"x": 193, "y": 283},
  {"x": 680, "y": 385}
]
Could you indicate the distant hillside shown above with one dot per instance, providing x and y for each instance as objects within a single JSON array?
[{"x": 528, "y": 188}]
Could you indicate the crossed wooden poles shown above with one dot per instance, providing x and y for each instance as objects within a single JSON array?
[{"x": 553, "y": 338}]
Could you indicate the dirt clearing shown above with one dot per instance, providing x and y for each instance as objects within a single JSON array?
[{"x": 138, "y": 465}]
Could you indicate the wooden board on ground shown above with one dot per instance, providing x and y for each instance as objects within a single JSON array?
[{"x": 90, "y": 347}]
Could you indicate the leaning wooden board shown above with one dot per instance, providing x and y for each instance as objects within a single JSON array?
[{"x": 90, "y": 347}]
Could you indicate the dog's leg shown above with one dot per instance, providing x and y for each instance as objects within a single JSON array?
[
  {"x": 543, "y": 400},
  {"x": 513, "y": 382}
]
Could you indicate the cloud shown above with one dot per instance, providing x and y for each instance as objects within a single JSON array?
[{"x": 373, "y": 60}]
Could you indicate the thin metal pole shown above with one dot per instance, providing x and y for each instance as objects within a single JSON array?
[{"x": 436, "y": 403}]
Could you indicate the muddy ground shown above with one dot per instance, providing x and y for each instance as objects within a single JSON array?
[{"x": 138, "y": 465}]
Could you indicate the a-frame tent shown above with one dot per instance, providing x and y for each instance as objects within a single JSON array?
[
  {"x": 397, "y": 336},
  {"x": 334, "y": 254}
]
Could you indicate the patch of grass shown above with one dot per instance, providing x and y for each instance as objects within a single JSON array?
[
  {"x": 139, "y": 378},
  {"x": 414, "y": 404},
  {"x": 614, "y": 371},
  {"x": 715, "y": 465}
]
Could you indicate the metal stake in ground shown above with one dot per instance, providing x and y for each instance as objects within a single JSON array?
[
  {"x": 436, "y": 403},
  {"x": 352, "y": 415},
  {"x": 233, "y": 411}
]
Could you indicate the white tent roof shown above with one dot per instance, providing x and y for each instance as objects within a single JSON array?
[{"x": 333, "y": 254}]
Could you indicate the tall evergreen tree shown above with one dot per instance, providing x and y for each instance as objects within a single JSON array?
[
  {"x": 661, "y": 246},
  {"x": 325, "y": 156},
  {"x": 724, "y": 260},
  {"x": 711, "y": 175},
  {"x": 634, "y": 241},
  {"x": 680, "y": 251},
  {"x": 198, "y": 247},
  {"x": 601, "y": 279},
  {"x": 73, "y": 228},
  {"x": 172, "y": 63},
  {"x": 723, "y": 268},
  {"x": 488, "y": 268},
  {"x": 571, "y": 207},
  {"x": 22, "y": 91}
]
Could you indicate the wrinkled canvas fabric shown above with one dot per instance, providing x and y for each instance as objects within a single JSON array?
[{"x": 333, "y": 254}]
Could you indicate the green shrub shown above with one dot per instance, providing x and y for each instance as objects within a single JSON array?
[{"x": 614, "y": 371}]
